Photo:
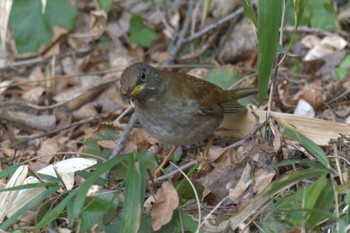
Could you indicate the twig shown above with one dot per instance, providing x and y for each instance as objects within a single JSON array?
[
  {"x": 335, "y": 113},
  {"x": 213, "y": 210},
  {"x": 118, "y": 148},
  {"x": 181, "y": 39},
  {"x": 211, "y": 27},
  {"x": 195, "y": 194},
  {"x": 172, "y": 173}
]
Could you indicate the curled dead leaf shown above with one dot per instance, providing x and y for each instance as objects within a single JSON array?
[
  {"x": 166, "y": 201},
  {"x": 313, "y": 93}
]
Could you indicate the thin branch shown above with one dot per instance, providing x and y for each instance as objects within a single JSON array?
[
  {"x": 172, "y": 173},
  {"x": 181, "y": 39},
  {"x": 213, "y": 26},
  {"x": 118, "y": 148},
  {"x": 195, "y": 194}
]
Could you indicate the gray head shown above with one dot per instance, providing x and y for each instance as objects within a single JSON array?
[{"x": 141, "y": 81}]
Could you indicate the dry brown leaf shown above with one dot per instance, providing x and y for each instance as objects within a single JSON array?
[
  {"x": 36, "y": 74},
  {"x": 214, "y": 153},
  {"x": 85, "y": 112},
  {"x": 313, "y": 93},
  {"x": 108, "y": 144},
  {"x": 167, "y": 201},
  {"x": 53, "y": 50},
  {"x": 33, "y": 95},
  {"x": 277, "y": 140},
  {"x": 242, "y": 185},
  {"x": 220, "y": 180},
  {"x": 284, "y": 95},
  {"x": 346, "y": 84},
  {"x": 97, "y": 23},
  {"x": 240, "y": 43},
  {"x": 262, "y": 178},
  {"x": 48, "y": 150}
]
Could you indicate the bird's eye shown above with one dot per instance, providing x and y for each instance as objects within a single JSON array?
[{"x": 143, "y": 76}]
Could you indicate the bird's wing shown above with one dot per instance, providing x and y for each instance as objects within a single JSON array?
[{"x": 211, "y": 98}]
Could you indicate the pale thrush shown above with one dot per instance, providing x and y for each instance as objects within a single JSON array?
[{"x": 176, "y": 108}]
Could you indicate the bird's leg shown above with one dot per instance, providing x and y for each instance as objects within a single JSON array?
[
  {"x": 207, "y": 148},
  {"x": 167, "y": 158},
  {"x": 204, "y": 164}
]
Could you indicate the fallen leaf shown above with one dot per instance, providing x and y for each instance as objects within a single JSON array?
[
  {"x": 48, "y": 150},
  {"x": 245, "y": 180},
  {"x": 166, "y": 201},
  {"x": 262, "y": 178},
  {"x": 33, "y": 95},
  {"x": 312, "y": 93}
]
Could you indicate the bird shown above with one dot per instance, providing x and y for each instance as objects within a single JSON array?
[{"x": 177, "y": 108}]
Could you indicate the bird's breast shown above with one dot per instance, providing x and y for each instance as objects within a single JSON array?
[{"x": 176, "y": 123}]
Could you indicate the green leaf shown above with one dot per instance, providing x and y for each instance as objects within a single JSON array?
[
  {"x": 269, "y": 19},
  {"x": 282, "y": 183},
  {"x": 140, "y": 33},
  {"x": 322, "y": 15},
  {"x": 181, "y": 220},
  {"x": 33, "y": 28},
  {"x": 249, "y": 11},
  {"x": 96, "y": 209},
  {"x": 299, "y": 6},
  {"x": 324, "y": 202},
  {"x": 35, "y": 202},
  {"x": 134, "y": 195},
  {"x": 318, "y": 14},
  {"x": 28, "y": 186},
  {"x": 314, "y": 149},
  {"x": 79, "y": 194},
  {"x": 186, "y": 192},
  {"x": 342, "y": 70},
  {"x": 224, "y": 77},
  {"x": 347, "y": 202},
  {"x": 313, "y": 192},
  {"x": 105, "y": 5},
  {"x": 10, "y": 170}
]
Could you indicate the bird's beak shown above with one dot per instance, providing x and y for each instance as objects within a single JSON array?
[{"x": 132, "y": 92}]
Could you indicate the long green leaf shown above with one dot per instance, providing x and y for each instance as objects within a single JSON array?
[
  {"x": 29, "y": 186},
  {"x": 299, "y": 6},
  {"x": 79, "y": 193},
  {"x": 38, "y": 199},
  {"x": 324, "y": 202},
  {"x": 134, "y": 195},
  {"x": 9, "y": 170},
  {"x": 249, "y": 12},
  {"x": 315, "y": 150},
  {"x": 278, "y": 185},
  {"x": 269, "y": 19}
]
